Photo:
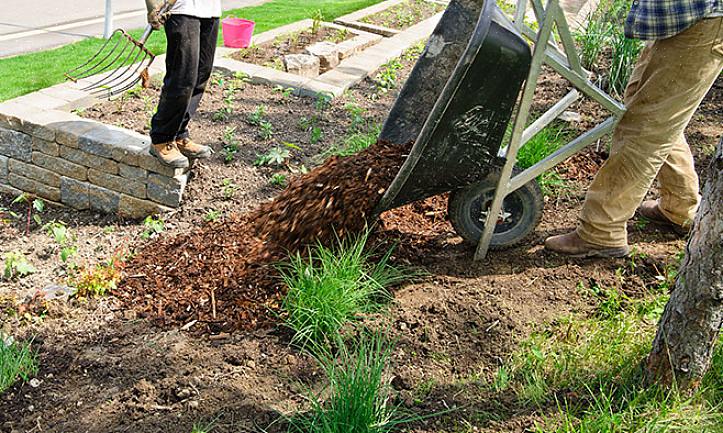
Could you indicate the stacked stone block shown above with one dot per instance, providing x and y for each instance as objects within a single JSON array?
[{"x": 83, "y": 164}]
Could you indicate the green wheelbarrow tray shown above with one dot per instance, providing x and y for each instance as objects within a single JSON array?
[{"x": 456, "y": 106}]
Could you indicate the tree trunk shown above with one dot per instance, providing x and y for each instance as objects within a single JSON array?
[{"x": 689, "y": 328}]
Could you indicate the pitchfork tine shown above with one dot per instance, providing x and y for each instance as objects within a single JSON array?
[
  {"x": 105, "y": 81},
  {"x": 74, "y": 77},
  {"x": 128, "y": 75}
]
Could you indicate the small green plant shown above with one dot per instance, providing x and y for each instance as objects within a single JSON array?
[
  {"x": 305, "y": 123},
  {"x": 278, "y": 180},
  {"x": 285, "y": 92},
  {"x": 98, "y": 280},
  {"x": 60, "y": 233},
  {"x": 16, "y": 265},
  {"x": 317, "y": 20},
  {"x": 152, "y": 226},
  {"x": 230, "y": 144},
  {"x": 413, "y": 53},
  {"x": 356, "y": 114},
  {"x": 228, "y": 189},
  {"x": 202, "y": 427},
  {"x": 17, "y": 362},
  {"x": 277, "y": 156},
  {"x": 316, "y": 134},
  {"x": 323, "y": 101},
  {"x": 339, "y": 36},
  {"x": 266, "y": 130},
  {"x": 212, "y": 216},
  {"x": 35, "y": 207},
  {"x": 625, "y": 53},
  {"x": 257, "y": 116},
  {"x": 387, "y": 77},
  {"x": 328, "y": 287},
  {"x": 355, "y": 142}
]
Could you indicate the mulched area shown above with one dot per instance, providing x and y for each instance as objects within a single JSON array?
[
  {"x": 404, "y": 15},
  {"x": 221, "y": 277}
]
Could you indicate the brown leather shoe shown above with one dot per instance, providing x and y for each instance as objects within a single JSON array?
[
  {"x": 650, "y": 210},
  {"x": 169, "y": 155},
  {"x": 572, "y": 245},
  {"x": 191, "y": 149}
]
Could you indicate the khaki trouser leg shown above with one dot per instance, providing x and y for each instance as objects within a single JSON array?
[{"x": 666, "y": 87}]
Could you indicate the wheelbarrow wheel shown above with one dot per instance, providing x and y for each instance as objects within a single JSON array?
[{"x": 521, "y": 212}]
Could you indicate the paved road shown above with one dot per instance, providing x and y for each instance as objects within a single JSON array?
[{"x": 31, "y": 25}]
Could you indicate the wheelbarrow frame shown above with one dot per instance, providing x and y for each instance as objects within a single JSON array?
[{"x": 566, "y": 62}]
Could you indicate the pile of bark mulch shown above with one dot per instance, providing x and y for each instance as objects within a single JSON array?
[{"x": 222, "y": 276}]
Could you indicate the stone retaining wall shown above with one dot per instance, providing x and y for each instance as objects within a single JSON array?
[{"x": 81, "y": 163}]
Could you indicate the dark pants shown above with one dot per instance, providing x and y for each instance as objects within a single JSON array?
[{"x": 189, "y": 60}]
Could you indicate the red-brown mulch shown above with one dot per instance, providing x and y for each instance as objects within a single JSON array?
[{"x": 222, "y": 277}]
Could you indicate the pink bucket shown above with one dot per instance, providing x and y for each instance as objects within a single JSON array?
[{"x": 237, "y": 32}]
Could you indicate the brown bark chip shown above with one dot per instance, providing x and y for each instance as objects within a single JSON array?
[{"x": 222, "y": 275}]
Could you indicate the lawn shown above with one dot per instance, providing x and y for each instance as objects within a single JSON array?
[{"x": 30, "y": 72}]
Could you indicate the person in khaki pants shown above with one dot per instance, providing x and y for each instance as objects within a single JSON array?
[{"x": 682, "y": 59}]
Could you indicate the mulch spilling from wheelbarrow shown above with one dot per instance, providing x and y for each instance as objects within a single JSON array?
[{"x": 221, "y": 276}]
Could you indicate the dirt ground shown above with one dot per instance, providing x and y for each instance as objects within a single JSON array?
[{"x": 104, "y": 369}]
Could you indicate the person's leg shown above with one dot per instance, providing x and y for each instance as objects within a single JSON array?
[
  {"x": 679, "y": 189},
  {"x": 666, "y": 88},
  {"x": 208, "y": 38},
  {"x": 182, "y": 57}
]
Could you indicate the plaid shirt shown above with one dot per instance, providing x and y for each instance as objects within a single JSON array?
[{"x": 660, "y": 19}]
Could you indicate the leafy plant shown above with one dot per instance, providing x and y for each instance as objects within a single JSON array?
[
  {"x": 285, "y": 92},
  {"x": 35, "y": 207},
  {"x": 278, "y": 180},
  {"x": 317, "y": 19},
  {"x": 257, "y": 116},
  {"x": 356, "y": 114},
  {"x": 323, "y": 101},
  {"x": 316, "y": 134},
  {"x": 153, "y": 226},
  {"x": 387, "y": 77},
  {"x": 16, "y": 265},
  {"x": 228, "y": 189},
  {"x": 63, "y": 237},
  {"x": 96, "y": 280},
  {"x": 355, "y": 142},
  {"x": 277, "y": 156},
  {"x": 212, "y": 215},
  {"x": 230, "y": 144},
  {"x": 17, "y": 361},
  {"x": 328, "y": 287},
  {"x": 266, "y": 130}
]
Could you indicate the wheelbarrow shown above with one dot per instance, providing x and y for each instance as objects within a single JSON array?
[{"x": 457, "y": 107}]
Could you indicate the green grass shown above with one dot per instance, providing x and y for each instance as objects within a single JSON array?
[
  {"x": 538, "y": 148},
  {"x": 590, "y": 370},
  {"x": 30, "y": 72},
  {"x": 17, "y": 361},
  {"x": 357, "y": 396},
  {"x": 329, "y": 287},
  {"x": 355, "y": 142}
]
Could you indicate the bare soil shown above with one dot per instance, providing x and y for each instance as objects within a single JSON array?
[
  {"x": 271, "y": 53},
  {"x": 108, "y": 368},
  {"x": 404, "y": 15}
]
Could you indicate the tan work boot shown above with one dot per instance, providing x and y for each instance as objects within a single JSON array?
[
  {"x": 650, "y": 210},
  {"x": 193, "y": 150},
  {"x": 169, "y": 155},
  {"x": 572, "y": 245}
]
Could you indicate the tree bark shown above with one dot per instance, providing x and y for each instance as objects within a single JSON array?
[{"x": 691, "y": 322}]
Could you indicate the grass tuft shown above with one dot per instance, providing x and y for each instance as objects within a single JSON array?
[
  {"x": 355, "y": 142},
  {"x": 358, "y": 391},
  {"x": 329, "y": 287},
  {"x": 17, "y": 361}
]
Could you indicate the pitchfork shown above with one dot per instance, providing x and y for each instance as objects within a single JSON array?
[{"x": 124, "y": 58}]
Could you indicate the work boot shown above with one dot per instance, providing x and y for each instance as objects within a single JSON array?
[
  {"x": 193, "y": 150},
  {"x": 169, "y": 155},
  {"x": 572, "y": 245},
  {"x": 650, "y": 210}
]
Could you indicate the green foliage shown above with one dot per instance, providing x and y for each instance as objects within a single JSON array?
[
  {"x": 228, "y": 189},
  {"x": 317, "y": 18},
  {"x": 323, "y": 101},
  {"x": 17, "y": 362},
  {"x": 152, "y": 226},
  {"x": 355, "y": 142},
  {"x": 625, "y": 53},
  {"x": 212, "y": 215},
  {"x": 405, "y": 14},
  {"x": 357, "y": 399},
  {"x": 285, "y": 92},
  {"x": 63, "y": 237},
  {"x": 257, "y": 116},
  {"x": 328, "y": 287},
  {"x": 316, "y": 134},
  {"x": 278, "y": 180},
  {"x": 230, "y": 144},
  {"x": 16, "y": 265},
  {"x": 266, "y": 130},
  {"x": 388, "y": 76},
  {"x": 541, "y": 145},
  {"x": 98, "y": 280},
  {"x": 277, "y": 156}
]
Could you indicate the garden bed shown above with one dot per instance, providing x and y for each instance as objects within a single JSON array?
[{"x": 392, "y": 16}]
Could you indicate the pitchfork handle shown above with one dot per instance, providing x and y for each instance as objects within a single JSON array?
[{"x": 149, "y": 28}]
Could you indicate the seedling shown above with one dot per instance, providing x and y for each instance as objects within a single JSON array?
[
  {"x": 387, "y": 77},
  {"x": 257, "y": 116},
  {"x": 96, "y": 280},
  {"x": 35, "y": 208},
  {"x": 413, "y": 53},
  {"x": 212, "y": 216},
  {"x": 323, "y": 101},
  {"x": 266, "y": 130},
  {"x": 356, "y": 114},
  {"x": 228, "y": 189},
  {"x": 230, "y": 144},
  {"x": 285, "y": 92},
  {"x": 17, "y": 362},
  {"x": 16, "y": 265},
  {"x": 278, "y": 180},
  {"x": 306, "y": 123},
  {"x": 60, "y": 233},
  {"x": 153, "y": 226},
  {"x": 316, "y": 134},
  {"x": 277, "y": 156},
  {"x": 318, "y": 18},
  {"x": 339, "y": 36}
]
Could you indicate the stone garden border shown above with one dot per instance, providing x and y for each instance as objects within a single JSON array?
[
  {"x": 335, "y": 82},
  {"x": 353, "y": 20}
]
